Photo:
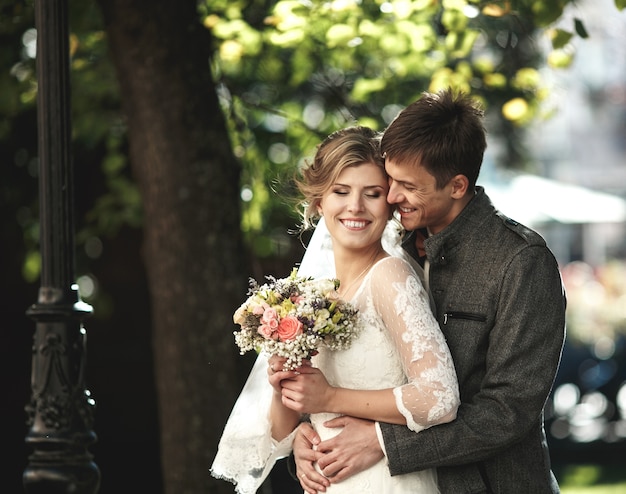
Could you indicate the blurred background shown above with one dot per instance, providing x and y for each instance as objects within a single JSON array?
[{"x": 552, "y": 76}]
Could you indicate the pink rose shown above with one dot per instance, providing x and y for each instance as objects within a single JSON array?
[
  {"x": 267, "y": 332},
  {"x": 288, "y": 328},
  {"x": 270, "y": 317}
]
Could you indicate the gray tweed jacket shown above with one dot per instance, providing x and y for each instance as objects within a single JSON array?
[{"x": 501, "y": 305}]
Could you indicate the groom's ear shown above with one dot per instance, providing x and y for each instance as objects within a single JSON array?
[{"x": 460, "y": 184}]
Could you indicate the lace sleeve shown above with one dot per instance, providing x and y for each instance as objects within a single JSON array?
[{"x": 431, "y": 395}]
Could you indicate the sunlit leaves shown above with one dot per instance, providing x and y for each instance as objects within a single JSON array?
[
  {"x": 343, "y": 5},
  {"x": 32, "y": 266},
  {"x": 302, "y": 67},
  {"x": 560, "y": 59},
  {"x": 73, "y": 44},
  {"x": 515, "y": 110},
  {"x": 231, "y": 51},
  {"x": 495, "y": 80},
  {"x": 327, "y": 64},
  {"x": 394, "y": 44},
  {"x": 454, "y": 4},
  {"x": 495, "y": 10},
  {"x": 292, "y": 71},
  {"x": 370, "y": 29},
  {"x": 403, "y": 9},
  {"x": 454, "y": 20},
  {"x": 446, "y": 77},
  {"x": 545, "y": 13},
  {"x": 459, "y": 44},
  {"x": 422, "y": 36},
  {"x": 484, "y": 64},
  {"x": 290, "y": 14},
  {"x": 527, "y": 79},
  {"x": 211, "y": 21},
  {"x": 560, "y": 38},
  {"x": 339, "y": 35},
  {"x": 239, "y": 38},
  {"x": 364, "y": 87}
]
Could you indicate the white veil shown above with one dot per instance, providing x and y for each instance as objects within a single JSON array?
[{"x": 246, "y": 451}]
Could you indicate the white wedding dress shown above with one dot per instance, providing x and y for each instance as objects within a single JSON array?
[{"x": 400, "y": 346}]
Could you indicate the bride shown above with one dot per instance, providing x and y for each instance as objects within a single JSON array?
[{"x": 398, "y": 370}]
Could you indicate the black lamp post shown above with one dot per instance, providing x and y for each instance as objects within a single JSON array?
[{"x": 60, "y": 411}]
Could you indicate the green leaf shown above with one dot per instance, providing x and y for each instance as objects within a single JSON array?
[
  {"x": 620, "y": 4},
  {"x": 560, "y": 59},
  {"x": 339, "y": 35},
  {"x": 495, "y": 80},
  {"x": 580, "y": 27},
  {"x": 454, "y": 20},
  {"x": 560, "y": 38},
  {"x": 546, "y": 12},
  {"x": 527, "y": 78},
  {"x": 364, "y": 87}
]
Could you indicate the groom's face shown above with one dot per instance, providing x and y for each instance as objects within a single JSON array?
[{"x": 420, "y": 204}]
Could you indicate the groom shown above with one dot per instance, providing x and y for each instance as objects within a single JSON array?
[{"x": 499, "y": 301}]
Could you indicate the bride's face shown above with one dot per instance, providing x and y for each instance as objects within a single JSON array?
[{"x": 355, "y": 206}]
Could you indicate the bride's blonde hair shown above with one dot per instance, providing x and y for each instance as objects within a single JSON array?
[{"x": 352, "y": 146}]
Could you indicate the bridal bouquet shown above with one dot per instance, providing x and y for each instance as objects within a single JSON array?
[{"x": 293, "y": 317}]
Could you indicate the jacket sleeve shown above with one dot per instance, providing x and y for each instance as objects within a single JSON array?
[{"x": 520, "y": 364}]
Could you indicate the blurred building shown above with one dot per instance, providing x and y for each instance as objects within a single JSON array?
[
  {"x": 580, "y": 152},
  {"x": 585, "y": 142}
]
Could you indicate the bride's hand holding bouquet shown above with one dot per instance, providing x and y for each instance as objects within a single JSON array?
[{"x": 304, "y": 390}]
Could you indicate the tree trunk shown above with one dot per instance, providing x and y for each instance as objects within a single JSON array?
[{"x": 189, "y": 181}]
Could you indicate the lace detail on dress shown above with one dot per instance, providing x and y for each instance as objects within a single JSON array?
[{"x": 394, "y": 299}]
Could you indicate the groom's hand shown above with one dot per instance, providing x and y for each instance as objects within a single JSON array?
[
  {"x": 305, "y": 457},
  {"x": 354, "y": 449}
]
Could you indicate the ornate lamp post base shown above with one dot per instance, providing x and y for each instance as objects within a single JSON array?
[{"x": 61, "y": 409}]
